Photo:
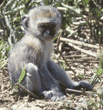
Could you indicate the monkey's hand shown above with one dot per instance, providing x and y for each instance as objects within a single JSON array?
[
  {"x": 54, "y": 96},
  {"x": 83, "y": 84}
]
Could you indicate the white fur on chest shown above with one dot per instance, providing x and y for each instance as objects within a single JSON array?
[{"x": 48, "y": 50}]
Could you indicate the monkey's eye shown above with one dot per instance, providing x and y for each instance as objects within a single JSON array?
[{"x": 43, "y": 27}]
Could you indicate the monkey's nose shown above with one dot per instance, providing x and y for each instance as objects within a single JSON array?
[{"x": 46, "y": 33}]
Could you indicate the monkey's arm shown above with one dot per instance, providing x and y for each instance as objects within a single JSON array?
[{"x": 64, "y": 79}]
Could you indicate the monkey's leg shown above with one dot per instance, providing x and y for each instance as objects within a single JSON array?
[
  {"x": 64, "y": 79},
  {"x": 52, "y": 88},
  {"x": 32, "y": 80}
]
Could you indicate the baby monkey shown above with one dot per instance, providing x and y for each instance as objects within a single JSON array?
[{"x": 33, "y": 52}]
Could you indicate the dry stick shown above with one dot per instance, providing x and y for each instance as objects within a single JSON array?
[
  {"x": 5, "y": 90},
  {"x": 79, "y": 43},
  {"x": 1, "y": 45},
  {"x": 80, "y": 60},
  {"x": 66, "y": 62},
  {"x": 26, "y": 90},
  {"x": 98, "y": 6},
  {"x": 62, "y": 8},
  {"x": 78, "y": 91},
  {"x": 2, "y": 4},
  {"x": 82, "y": 50},
  {"x": 70, "y": 56},
  {"x": 4, "y": 63},
  {"x": 72, "y": 33},
  {"x": 58, "y": 42}
]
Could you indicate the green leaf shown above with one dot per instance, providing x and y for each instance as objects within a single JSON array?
[
  {"x": 86, "y": 1},
  {"x": 16, "y": 87},
  {"x": 55, "y": 38},
  {"x": 59, "y": 33},
  {"x": 23, "y": 73}
]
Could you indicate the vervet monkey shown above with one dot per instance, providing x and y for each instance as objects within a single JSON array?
[{"x": 33, "y": 52}]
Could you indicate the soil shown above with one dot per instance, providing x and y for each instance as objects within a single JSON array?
[{"x": 11, "y": 101}]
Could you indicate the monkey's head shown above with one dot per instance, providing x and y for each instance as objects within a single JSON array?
[{"x": 44, "y": 22}]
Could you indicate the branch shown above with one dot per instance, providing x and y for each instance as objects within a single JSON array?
[
  {"x": 79, "y": 43},
  {"x": 66, "y": 62},
  {"x": 26, "y": 90},
  {"x": 58, "y": 42},
  {"x": 98, "y": 6},
  {"x": 82, "y": 50},
  {"x": 78, "y": 91}
]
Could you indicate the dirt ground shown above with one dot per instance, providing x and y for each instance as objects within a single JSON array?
[{"x": 10, "y": 101}]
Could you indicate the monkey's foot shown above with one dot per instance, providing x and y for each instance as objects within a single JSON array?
[
  {"x": 83, "y": 84},
  {"x": 53, "y": 96}
]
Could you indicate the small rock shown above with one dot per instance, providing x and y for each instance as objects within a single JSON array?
[
  {"x": 78, "y": 108},
  {"x": 81, "y": 99}
]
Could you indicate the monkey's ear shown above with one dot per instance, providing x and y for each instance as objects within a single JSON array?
[{"x": 24, "y": 22}]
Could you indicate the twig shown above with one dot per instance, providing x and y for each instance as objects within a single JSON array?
[
  {"x": 62, "y": 8},
  {"x": 26, "y": 90},
  {"x": 78, "y": 91},
  {"x": 75, "y": 56},
  {"x": 71, "y": 34},
  {"x": 5, "y": 90},
  {"x": 66, "y": 62},
  {"x": 79, "y": 43},
  {"x": 98, "y": 6},
  {"x": 82, "y": 50},
  {"x": 58, "y": 42},
  {"x": 82, "y": 60},
  {"x": 2, "y": 4},
  {"x": 4, "y": 64},
  {"x": 8, "y": 3}
]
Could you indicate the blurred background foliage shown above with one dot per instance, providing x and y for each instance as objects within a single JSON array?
[{"x": 90, "y": 13}]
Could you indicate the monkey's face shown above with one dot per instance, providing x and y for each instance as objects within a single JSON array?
[
  {"x": 44, "y": 22},
  {"x": 48, "y": 30}
]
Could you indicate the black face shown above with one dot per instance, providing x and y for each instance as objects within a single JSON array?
[{"x": 47, "y": 28}]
